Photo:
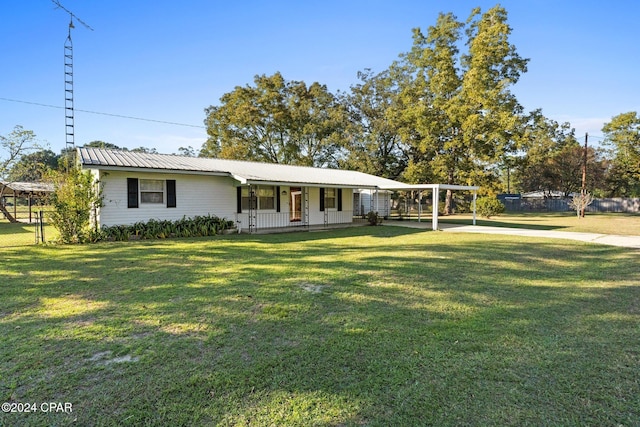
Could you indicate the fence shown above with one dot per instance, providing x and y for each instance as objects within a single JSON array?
[
  {"x": 622, "y": 205},
  {"x": 26, "y": 232}
]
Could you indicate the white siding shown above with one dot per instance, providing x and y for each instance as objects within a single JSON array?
[
  {"x": 208, "y": 195},
  {"x": 195, "y": 195},
  {"x": 316, "y": 217},
  {"x": 334, "y": 216}
]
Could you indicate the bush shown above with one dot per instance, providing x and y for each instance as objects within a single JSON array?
[
  {"x": 374, "y": 218},
  {"x": 198, "y": 226},
  {"x": 579, "y": 203},
  {"x": 74, "y": 201},
  {"x": 489, "y": 206}
]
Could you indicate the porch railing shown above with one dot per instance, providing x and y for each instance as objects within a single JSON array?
[{"x": 274, "y": 220}]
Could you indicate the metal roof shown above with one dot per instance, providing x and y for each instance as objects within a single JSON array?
[
  {"x": 243, "y": 171},
  {"x": 436, "y": 187},
  {"x": 26, "y": 187}
]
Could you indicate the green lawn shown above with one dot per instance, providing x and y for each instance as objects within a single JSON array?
[
  {"x": 612, "y": 223},
  {"x": 370, "y": 326},
  {"x": 21, "y": 234}
]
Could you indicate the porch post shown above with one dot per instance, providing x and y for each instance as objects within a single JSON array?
[
  {"x": 475, "y": 194},
  {"x": 419, "y": 206},
  {"x": 371, "y": 207},
  {"x": 252, "y": 211},
  {"x": 305, "y": 202},
  {"x": 377, "y": 196},
  {"x": 434, "y": 215}
]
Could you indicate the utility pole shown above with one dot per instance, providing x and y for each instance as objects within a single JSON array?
[{"x": 584, "y": 173}]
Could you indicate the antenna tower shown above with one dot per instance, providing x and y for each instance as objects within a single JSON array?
[{"x": 68, "y": 79}]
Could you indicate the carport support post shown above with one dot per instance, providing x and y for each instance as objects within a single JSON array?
[
  {"x": 29, "y": 203},
  {"x": 434, "y": 215}
]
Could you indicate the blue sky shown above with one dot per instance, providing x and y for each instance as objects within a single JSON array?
[{"x": 169, "y": 60}]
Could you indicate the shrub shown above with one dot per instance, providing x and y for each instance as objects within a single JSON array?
[
  {"x": 579, "y": 203},
  {"x": 75, "y": 198},
  {"x": 489, "y": 206},
  {"x": 198, "y": 226},
  {"x": 374, "y": 218}
]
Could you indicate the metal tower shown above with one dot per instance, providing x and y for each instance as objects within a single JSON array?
[
  {"x": 68, "y": 90},
  {"x": 68, "y": 79}
]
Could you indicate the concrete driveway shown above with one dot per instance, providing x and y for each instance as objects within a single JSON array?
[{"x": 603, "y": 239}]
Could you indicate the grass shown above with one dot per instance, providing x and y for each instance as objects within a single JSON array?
[
  {"x": 22, "y": 234},
  {"x": 612, "y": 223},
  {"x": 365, "y": 326}
]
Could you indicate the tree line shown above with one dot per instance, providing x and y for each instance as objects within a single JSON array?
[{"x": 443, "y": 112}]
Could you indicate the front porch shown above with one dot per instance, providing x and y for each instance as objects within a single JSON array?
[{"x": 269, "y": 222}]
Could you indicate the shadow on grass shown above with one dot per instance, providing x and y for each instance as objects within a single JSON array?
[
  {"x": 8, "y": 228},
  {"x": 372, "y": 326},
  {"x": 496, "y": 223}
]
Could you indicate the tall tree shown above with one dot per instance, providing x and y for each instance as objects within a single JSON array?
[
  {"x": 541, "y": 141},
  {"x": 554, "y": 158},
  {"x": 104, "y": 145},
  {"x": 14, "y": 145},
  {"x": 276, "y": 121},
  {"x": 147, "y": 150},
  {"x": 457, "y": 110},
  {"x": 623, "y": 138},
  {"x": 33, "y": 166},
  {"x": 562, "y": 171},
  {"x": 374, "y": 142},
  {"x": 318, "y": 121}
]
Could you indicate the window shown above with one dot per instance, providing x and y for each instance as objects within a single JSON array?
[
  {"x": 151, "y": 191},
  {"x": 246, "y": 200},
  {"x": 330, "y": 198},
  {"x": 264, "y": 197}
]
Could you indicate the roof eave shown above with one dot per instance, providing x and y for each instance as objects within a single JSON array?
[
  {"x": 155, "y": 170},
  {"x": 306, "y": 184}
]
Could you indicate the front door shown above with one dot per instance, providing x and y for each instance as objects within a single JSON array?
[{"x": 295, "y": 205}]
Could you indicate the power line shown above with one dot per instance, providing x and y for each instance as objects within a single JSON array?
[{"x": 122, "y": 116}]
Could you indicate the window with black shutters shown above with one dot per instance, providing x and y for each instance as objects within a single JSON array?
[{"x": 151, "y": 191}]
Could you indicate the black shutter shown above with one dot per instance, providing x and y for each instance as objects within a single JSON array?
[
  {"x": 132, "y": 192},
  {"x": 239, "y": 199},
  {"x": 339, "y": 199},
  {"x": 171, "y": 193},
  {"x": 278, "y": 198},
  {"x": 321, "y": 199}
]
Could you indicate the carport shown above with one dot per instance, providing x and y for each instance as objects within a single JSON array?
[
  {"x": 26, "y": 190},
  {"x": 435, "y": 194}
]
